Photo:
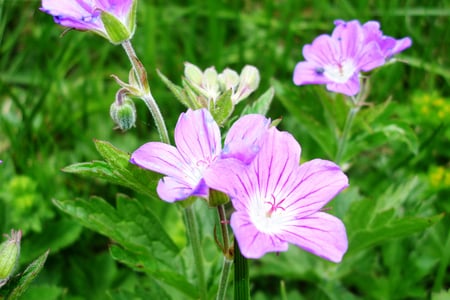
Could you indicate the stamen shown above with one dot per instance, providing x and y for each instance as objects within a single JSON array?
[{"x": 274, "y": 206}]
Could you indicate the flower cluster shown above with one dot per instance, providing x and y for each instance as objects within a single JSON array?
[
  {"x": 352, "y": 48},
  {"x": 209, "y": 85},
  {"x": 276, "y": 200}
]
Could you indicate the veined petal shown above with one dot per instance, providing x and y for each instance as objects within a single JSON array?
[
  {"x": 370, "y": 57},
  {"x": 315, "y": 183},
  {"x": 172, "y": 189},
  {"x": 349, "y": 36},
  {"x": 252, "y": 242},
  {"x": 401, "y": 45},
  {"x": 197, "y": 137},
  {"x": 349, "y": 88},
  {"x": 306, "y": 72},
  {"x": 160, "y": 158},
  {"x": 277, "y": 160},
  {"x": 244, "y": 138},
  {"x": 320, "y": 233},
  {"x": 230, "y": 176},
  {"x": 74, "y": 14},
  {"x": 322, "y": 51}
]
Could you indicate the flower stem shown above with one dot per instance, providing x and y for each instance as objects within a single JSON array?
[
  {"x": 228, "y": 257},
  {"x": 223, "y": 282},
  {"x": 146, "y": 95},
  {"x": 193, "y": 234},
  {"x": 356, "y": 103},
  {"x": 342, "y": 143},
  {"x": 241, "y": 278}
]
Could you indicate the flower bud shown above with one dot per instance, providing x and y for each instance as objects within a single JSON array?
[
  {"x": 193, "y": 74},
  {"x": 123, "y": 111},
  {"x": 228, "y": 79},
  {"x": 248, "y": 83},
  {"x": 9, "y": 256}
]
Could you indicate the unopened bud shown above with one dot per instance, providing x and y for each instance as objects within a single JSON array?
[
  {"x": 9, "y": 256},
  {"x": 228, "y": 79},
  {"x": 123, "y": 112},
  {"x": 193, "y": 74},
  {"x": 248, "y": 83}
]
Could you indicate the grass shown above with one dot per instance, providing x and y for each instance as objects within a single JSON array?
[{"x": 55, "y": 93}]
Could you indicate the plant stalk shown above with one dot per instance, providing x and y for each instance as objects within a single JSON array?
[
  {"x": 146, "y": 95},
  {"x": 194, "y": 238}
]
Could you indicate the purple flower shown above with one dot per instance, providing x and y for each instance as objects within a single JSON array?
[
  {"x": 278, "y": 201},
  {"x": 338, "y": 59},
  {"x": 388, "y": 45},
  {"x": 87, "y": 14},
  {"x": 198, "y": 146}
]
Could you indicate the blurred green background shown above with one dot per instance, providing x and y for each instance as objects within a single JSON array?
[{"x": 55, "y": 93}]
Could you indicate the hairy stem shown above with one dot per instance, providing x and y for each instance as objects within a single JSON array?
[
  {"x": 146, "y": 95},
  {"x": 194, "y": 238}
]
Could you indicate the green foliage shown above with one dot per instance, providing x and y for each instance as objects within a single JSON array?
[
  {"x": 17, "y": 285},
  {"x": 55, "y": 94}
]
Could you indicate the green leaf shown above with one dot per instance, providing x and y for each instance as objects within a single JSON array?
[
  {"x": 176, "y": 90},
  {"x": 261, "y": 105},
  {"x": 147, "y": 264},
  {"x": 223, "y": 107},
  {"x": 130, "y": 224},
  {"x": 63, "y": 233},
  {"x": 309, "y": 113},
  {"x": 21, "y": 282},
  {"x": 117, "y": 169},
  {"x": 397, "y": 228}
]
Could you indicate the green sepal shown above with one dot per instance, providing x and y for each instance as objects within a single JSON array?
[
  {"x": 116, "y": 30},
  {"x": 261, "y": 105},
  {"x": 20, "y": 283},
  {"x": 217, "y": 198},
  {"x": 9, "y": 255},
  {"x": 222, "y": 109},
  {"x": 176, "y": 90}
]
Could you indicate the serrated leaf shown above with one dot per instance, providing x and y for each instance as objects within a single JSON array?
[
  {"x": 95, "y": 169},
  {"x": 117, "y": 169},
  {"x": 222, "y": 109},
  {"x": 23, "y": 280},
  {"x": 146, "y": 264},
  {"x": 261, "y": 105},
  {"x": 131, "y": 225}
]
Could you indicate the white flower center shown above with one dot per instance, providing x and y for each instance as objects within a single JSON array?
[
  {"x": 340, "y": 72},
  {"x": 267, "y": 216}
]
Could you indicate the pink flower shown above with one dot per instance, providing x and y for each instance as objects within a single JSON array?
[
  {"x": 198, "y": 146},
  {"x": 337, "y": 60},
  {"x": 87, "y": 14},
  {"x": 278, "y": 202}
]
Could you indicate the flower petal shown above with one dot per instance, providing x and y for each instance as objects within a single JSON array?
[
  {"x": 322, "y": 51},
  {"x": 244, "y": 138},
  {"x": 349, "y": 88},
  {"x": 197, "y": 137},
  {"x": 321, "y": 234},
  {"x": 277, "y": 160},
  {"x": 173, "y": 189},
  {"x": 315, "y": 183},
  {"x": 349, "y": 36},
  {"x": 306, "y": 72},
  {"x": 230, "y": 176},
  {"x": 253, "y": 243}
]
